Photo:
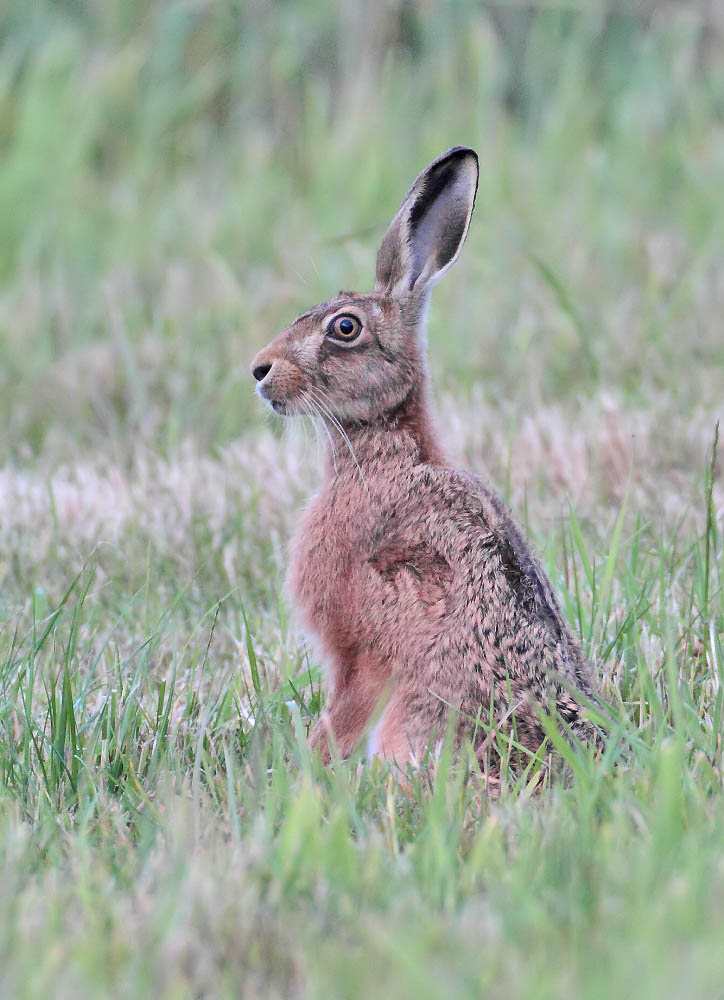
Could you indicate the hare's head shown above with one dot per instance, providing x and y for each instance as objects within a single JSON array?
[{"x": 358, "y": 357}]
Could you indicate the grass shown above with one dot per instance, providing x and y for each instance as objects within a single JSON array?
[{"x": 177, "y": 182}]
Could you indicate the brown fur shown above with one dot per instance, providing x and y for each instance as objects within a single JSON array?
[{"x": 420, "y": 587}]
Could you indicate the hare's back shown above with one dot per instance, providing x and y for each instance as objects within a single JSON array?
[{"x": 472, "y": 530}]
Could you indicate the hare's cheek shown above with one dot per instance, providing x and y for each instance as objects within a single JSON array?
[{"x": 349, "y": 378}]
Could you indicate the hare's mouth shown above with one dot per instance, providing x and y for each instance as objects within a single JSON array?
[
  {"x": 278, "y": 405},
  {"x": 285, "y": 408}
]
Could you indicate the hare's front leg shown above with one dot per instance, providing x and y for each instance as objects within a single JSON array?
[
  {"x": 408, "y": 726},
  {"x": 359, "y": 687},
  {"x": 342, "y": 723}
]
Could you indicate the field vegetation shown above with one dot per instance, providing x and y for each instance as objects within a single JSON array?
[{"x": 178, "y": 180}]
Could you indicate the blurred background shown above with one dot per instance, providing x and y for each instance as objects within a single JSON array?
[{"x": 179, "y": 179}]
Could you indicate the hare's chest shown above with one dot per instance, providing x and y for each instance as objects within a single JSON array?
[{"x": 328, "y": 554}]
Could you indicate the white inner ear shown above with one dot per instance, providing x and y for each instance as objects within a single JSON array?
[
  {"x": 436, "y": 237},
  {"x": 425, "y": 237}
]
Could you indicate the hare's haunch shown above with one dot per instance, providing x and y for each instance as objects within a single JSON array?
[{"x": 429, "y": 606}]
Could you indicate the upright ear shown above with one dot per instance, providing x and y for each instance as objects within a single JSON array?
[{"x": 427, "y": 234}]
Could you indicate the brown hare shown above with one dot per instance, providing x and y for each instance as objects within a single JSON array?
[{"x": 429, "y": 606}]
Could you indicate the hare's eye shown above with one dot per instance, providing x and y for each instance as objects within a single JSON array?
[{"x": 345, "y": 327}]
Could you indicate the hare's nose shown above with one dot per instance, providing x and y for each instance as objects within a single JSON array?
[{"x": 261, "y": 372}]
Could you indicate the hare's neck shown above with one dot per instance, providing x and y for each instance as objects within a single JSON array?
[{"x": 408, "y": 432}]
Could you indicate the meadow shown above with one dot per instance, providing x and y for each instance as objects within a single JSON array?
[{"x": 177, "y": 182}]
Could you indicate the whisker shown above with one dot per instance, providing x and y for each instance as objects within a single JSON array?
[
  {"x": 315, "y": 421},
  {"x": 323, "y": 405},
  {"x": 345, "y": 437},
  {"x": 304, "y": 430},
  {"x": 306, "y": 410},
  {"x": 323, "y": 414},
  {"x": 318, "y": 419}
]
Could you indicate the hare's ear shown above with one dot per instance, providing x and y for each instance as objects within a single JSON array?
[{"x": 426, "y": 235}]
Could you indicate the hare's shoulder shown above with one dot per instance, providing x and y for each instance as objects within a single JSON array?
[
  {"x": 455, "y": 518},
  {"x": 435, "y": 517},
  {"x": 452, "y": 503}
]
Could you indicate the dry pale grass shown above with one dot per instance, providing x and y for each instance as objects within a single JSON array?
[
  {"x": 177, "y": 181},
  {"x": 590, "y": 455},
  {"x": 222, "y": 520}
]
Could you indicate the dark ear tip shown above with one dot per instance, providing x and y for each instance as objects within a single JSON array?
[
  {"x": 457, "y": 156},
  {"x": 460, "y": 153}
]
